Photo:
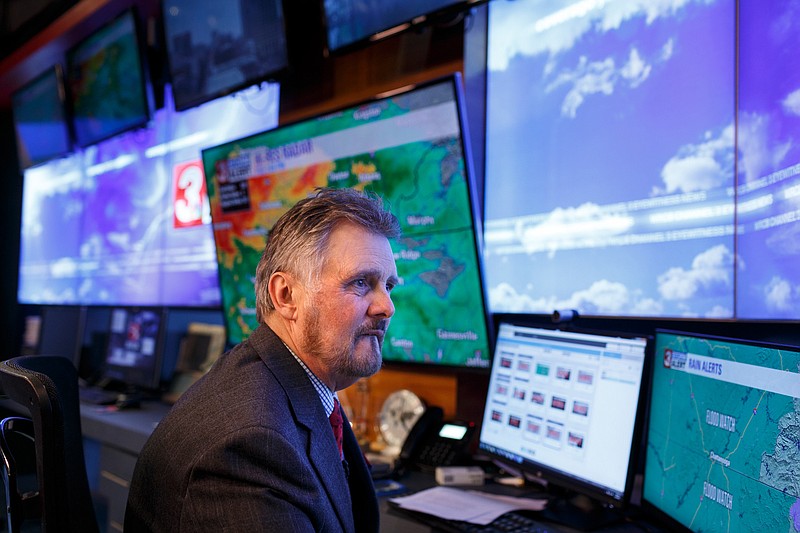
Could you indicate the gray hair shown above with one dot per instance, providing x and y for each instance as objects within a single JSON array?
[{"x": 298, "y": 241}]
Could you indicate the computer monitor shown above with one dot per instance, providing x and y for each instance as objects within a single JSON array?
[
  {"x": 723, "y": 439},
  {"x": 135, "y": 348},
  {"x": 564, "y": 407}
]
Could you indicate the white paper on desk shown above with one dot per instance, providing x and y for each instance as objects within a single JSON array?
[{"x": 470, "y": 506}]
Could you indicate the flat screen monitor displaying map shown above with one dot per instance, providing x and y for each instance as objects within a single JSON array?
[
  {"x": 106, "y": 81},
  {"x": 565, "y": 406},
  {"x": 723, "y": 443},
  {"x": 408, "y": 148}
]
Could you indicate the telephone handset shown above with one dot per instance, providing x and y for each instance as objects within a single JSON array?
[{"x": 435, "y": 442}]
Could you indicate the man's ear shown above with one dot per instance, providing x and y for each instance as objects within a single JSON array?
[{"x": 283, "y": 291}]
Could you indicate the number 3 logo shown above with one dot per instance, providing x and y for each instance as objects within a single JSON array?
[{"x": 190, "y": 194}]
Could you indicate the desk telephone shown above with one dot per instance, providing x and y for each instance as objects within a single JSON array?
[{"x": 435, "y": 442}]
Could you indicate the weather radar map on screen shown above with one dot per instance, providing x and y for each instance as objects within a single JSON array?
[
  {"x": 619, "y": 121},
  {"x": 407, "y": 148},
  {"x": 723, "y": 445},
  {"x": 105, "y": 75}
]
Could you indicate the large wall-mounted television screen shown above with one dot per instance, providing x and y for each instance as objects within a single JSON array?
[
  {"x": 657, "y": 144},
  {"x": 215, "y": 47},
  {"x": 40, "y": 120},
  {"x": 106, "y": 81},
  {"x": 409, "y": 149},
  {"x": 350, "y": 23},
  {"x": 127, "y": 221},
  {"x": 610, "y": 158},
  {"x": 768, "y": 280}
]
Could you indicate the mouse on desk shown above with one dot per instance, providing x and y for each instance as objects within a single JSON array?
[{"x": 128, "y": 401}]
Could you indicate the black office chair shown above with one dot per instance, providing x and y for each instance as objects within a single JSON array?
[{"x": 59, "y": 498}]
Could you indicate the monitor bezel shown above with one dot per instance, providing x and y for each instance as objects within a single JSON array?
[
  {"x": 541, "y": 472},
  {"x": 456, "y": 82},
  {"x": 119, "y": 374},
  {"x": 142, "y": 94}
]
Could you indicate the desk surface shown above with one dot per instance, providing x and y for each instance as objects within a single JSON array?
[
  {"x": 126, "y": 429},
  {"x": 129, "y": 429},
  {"x": 394, "y": 521}
]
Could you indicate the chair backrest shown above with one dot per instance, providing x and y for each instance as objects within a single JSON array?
[{"x": 48, "y": 387}]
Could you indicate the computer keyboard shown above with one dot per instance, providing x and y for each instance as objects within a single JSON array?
[
  {"x": 510, "y": 522},
  {"x": 97, "y": 396}
]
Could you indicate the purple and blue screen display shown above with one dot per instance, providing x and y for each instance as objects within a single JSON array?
[
  {"x": 127, "y": 221},
  {"x": 619, "y": 181},
  {"x": 768, "y": 285}
]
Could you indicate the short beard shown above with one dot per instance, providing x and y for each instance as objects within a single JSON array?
[{"x": 342, "y": 361}]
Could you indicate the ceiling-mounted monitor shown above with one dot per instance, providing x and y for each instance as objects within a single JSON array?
[
  {"x": 350, "y": 23},
  {"x": 216, "y": 47},
  {"x": 40, "y": 119},
  {"x": 106, "y": 81}
]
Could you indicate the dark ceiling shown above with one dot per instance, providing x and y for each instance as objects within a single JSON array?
[{"x": 22, "y": 19}]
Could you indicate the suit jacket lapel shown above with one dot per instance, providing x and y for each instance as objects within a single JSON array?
[{"x": 305, "y": 403}]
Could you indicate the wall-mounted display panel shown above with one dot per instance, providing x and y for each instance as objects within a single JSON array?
[
  {"x": 610, "y": 158},
  {"x": 126, "y": 221}
]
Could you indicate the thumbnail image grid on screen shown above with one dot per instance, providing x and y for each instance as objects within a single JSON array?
[
  {"x": 610, "y": 143},
  {"x": 565, "y": 405},
  {"x": 215, "y": 48},
  {"x": 40, "y": 120},
  {"x": 127, "y": 221},
  {"x": 106, "y": 81},
  {"x": 723, "y": 442},
  {"x": 407, "y": 148}
]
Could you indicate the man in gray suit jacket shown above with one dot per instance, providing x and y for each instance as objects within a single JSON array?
[{"x": 249, "y": 447}]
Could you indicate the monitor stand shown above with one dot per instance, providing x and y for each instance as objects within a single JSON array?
[
  {"x": 580, "y": 512},
  {"x": 127, "y": 395}
]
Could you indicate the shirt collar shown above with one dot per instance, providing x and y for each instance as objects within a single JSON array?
[{"x": 326, "y": 396}]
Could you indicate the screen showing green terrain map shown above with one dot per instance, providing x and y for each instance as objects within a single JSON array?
[
  {"x": 407, "y": 148},
  {"x": 723, "y": 446}
]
